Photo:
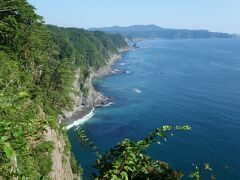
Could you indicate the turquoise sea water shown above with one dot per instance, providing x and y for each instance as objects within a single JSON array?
[{"x": 173, "y": 82}]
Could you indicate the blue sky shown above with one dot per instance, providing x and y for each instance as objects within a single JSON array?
[{"x": 214, "y": 15}]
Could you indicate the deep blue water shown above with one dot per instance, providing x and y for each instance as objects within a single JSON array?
[{"x": 183, "y": 82}]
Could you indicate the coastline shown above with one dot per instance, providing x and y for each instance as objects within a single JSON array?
[{"x": 85, "y": 105}]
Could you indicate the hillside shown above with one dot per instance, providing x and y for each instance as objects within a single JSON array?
[
  {"x": 37, "y": 72},
  {"x": 153, "y": 31}
]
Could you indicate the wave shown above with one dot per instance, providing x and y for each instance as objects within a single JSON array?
[
  {"x": 114, "y": 71},
  {"x": 81, "y": 120},
  {"x": 108, "y": 104},
  {"x": 137, "y": 90},
  {"x": 118, "y": 71},
  {"x": 122, "y": 64}
]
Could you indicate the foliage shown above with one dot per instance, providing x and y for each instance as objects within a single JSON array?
[
  {"x": 118, "y": 40},
  {"x": 76, "y": 169},
  {"x": 37, "y": 70},
  {"x": 43, "y": 157},
  {"x": 196, "y": 174},
  {"x": 87, "y": 142},
  {"x": 87, "y": 49},
  {"x": 153, "y": 31},
  {"x": 128, "y": 159},
  {"x": 85, "y": 91}
]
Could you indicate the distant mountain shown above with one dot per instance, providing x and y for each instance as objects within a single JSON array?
[{"x": 137, "y": 32}]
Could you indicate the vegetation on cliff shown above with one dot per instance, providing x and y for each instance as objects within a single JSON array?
[
  {"x": 37, "y": 69},
  {"x": 153, "y": 31}
]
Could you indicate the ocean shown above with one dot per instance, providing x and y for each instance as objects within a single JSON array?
[{"x": 172, "y": 82}]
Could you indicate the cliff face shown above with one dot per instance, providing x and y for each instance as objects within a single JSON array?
[
  {"x": 92, "y": 98},
  {"x": 36, "y": 75},
  {"x": 95, "y": 98},
  {"x": 61, "y": 169},
  {"x": 61, "y": 162}
]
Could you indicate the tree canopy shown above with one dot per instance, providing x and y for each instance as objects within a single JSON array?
[{"x": 37, "y": 70}]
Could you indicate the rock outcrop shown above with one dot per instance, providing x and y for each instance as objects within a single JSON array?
[
  {"x": 61, "y": 169},
  {"x": 92, "y": 98}
]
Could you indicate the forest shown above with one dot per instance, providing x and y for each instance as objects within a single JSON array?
[
  {"x": 136, "y": 32},
  {"x": 37, "y": 70}
]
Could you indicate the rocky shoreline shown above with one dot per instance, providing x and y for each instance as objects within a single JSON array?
[{"x": 84, "y": 104}]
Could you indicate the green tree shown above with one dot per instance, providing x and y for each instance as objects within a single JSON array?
[
  {"x": 37, "y": 68},
  {"x": 128, "y": 159}
]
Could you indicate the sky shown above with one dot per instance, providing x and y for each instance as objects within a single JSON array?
[{"x": 213, "y": 15}]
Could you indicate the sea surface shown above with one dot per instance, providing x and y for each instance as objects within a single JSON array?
[{"x": 173, "y": 82}]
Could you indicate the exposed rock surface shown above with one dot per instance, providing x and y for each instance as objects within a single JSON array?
[
  {"x": 84, "y": 103},
  {"x": 61, "y": 169}
]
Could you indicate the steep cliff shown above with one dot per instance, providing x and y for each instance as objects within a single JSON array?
[
  {"x": 61, "y": 168},
  {"x": 85, "y": 101},
  {"x": 38, "y": 64}
]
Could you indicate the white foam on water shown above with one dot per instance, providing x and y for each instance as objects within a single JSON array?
[
  {"x": 137, "y": 90},
  {"x": 108, "y": 104},
  {"x": 81, "y": 120}
]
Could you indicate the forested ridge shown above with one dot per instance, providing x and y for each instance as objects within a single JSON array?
[
  {"x": 136, "y": 32},
  {"x": 37, "y": 70}
]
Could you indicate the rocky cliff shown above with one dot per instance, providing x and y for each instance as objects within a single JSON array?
[
  {"x": 61, "y": 169},
  {"x": 85, "y": 101}
]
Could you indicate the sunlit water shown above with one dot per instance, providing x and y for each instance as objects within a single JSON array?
[{"x": 173, "y": 82}]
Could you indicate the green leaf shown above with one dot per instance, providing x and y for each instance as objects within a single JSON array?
[
  {"x": 124, "y": 175},
  {"x": 10, "y": 153},
  {"x": 114, "y": 177},
  {"x": 4, "y": 138},
  {"x": 23, "y": 94},
  {"x": 127, "y": 168}
]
